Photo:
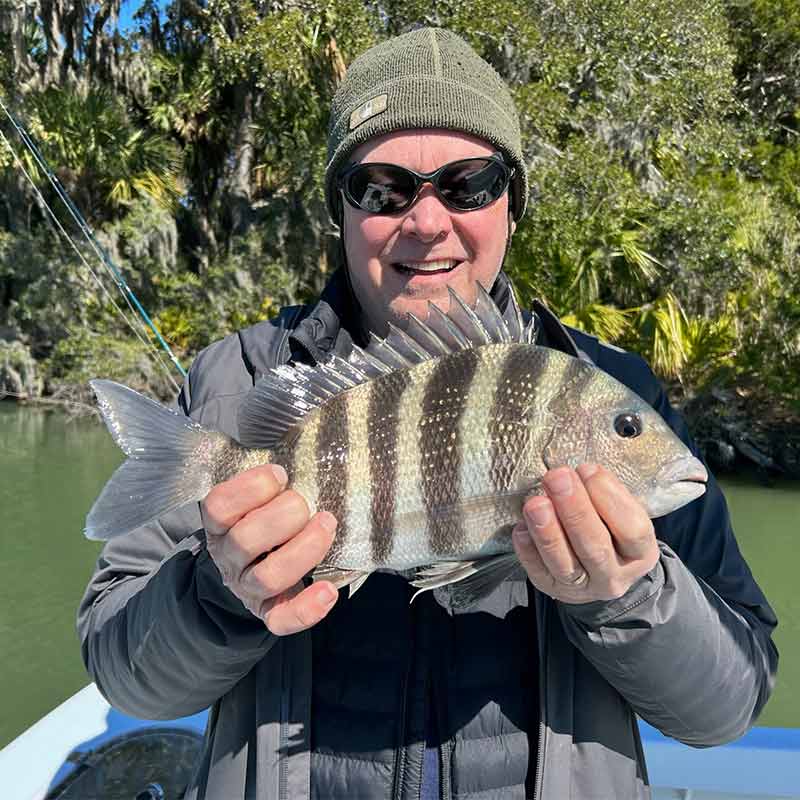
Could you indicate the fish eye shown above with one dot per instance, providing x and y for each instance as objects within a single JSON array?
[{"x": 628, "y": 425}]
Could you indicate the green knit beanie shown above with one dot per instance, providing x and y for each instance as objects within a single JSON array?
[{"x": 429, "y": 78}]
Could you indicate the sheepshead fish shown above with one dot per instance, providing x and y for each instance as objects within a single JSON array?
[{"x": 423, "y": 445}]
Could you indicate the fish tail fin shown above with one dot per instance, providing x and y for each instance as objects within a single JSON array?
[{"x": 165, "y": 468}]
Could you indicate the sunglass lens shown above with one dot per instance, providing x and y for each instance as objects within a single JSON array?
[
  {"x": 473, "y": 183},
  {"x": 381, "y": 188}
]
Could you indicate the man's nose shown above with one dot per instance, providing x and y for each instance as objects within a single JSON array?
[{"x": 428, "y": 218}]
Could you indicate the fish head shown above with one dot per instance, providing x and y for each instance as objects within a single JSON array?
[{"x": 612, "y": 426}]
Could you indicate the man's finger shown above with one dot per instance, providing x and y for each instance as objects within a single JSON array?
[
  {"x": 548, "y": 536},
  {"x": 292, "y": 613},
  {"x": 624, "y": 516},
  {"x": 530, "y": 559},
  {"x": 229, "y": 501},
  {"x": 586, "y": 532},
  {"x": 263, "y": 529},
  {"x": 285, "y": 566}
]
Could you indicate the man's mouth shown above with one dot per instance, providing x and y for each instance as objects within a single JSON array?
[{"x": 426, "y": 267}]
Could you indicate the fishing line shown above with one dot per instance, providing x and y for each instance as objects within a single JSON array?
[
  {"x": 130, "y": 298},
  {"x": 148, "y": 344}
]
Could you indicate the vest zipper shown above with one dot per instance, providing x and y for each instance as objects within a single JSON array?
[
  {"x": 400, "y": 757},
  {"x": 444, "y": 770},
  {"x": 429, "y": 709},
  {"x": 541, "y": 602},
  {"x": 283, "y": 742}
]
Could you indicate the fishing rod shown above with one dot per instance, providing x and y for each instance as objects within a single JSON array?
[{"x": 130, "y": 298}]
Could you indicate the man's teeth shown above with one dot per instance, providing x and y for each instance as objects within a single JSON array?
[{"x": 429, "y": 266}]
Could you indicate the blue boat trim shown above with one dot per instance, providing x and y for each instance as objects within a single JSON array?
[{"x": 757, "y": 738}]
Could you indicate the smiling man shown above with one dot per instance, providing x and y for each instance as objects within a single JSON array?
[
  {"x": 416, "y": 243},
  {"x": 531, "y": 692}
]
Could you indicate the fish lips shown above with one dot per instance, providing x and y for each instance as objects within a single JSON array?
[{"x": 675, "y": 485}]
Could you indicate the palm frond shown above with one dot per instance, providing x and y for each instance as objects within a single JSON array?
[{"x": 606, "y": 322}]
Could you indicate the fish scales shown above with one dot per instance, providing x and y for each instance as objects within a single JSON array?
[
  {"x": 581, "y": 387},
  {"x": 297, "y": 455},
  {"x": 383, "y": 419},
  {"x": 405, "y": 453},
  {"x": 332, "y": 446},
  {"x": 360, "y": 485},
  {"x": 517, "y": 390},
  {"x": 442, "y": 442},
  {"x": 429, "y": 522},
  {"x": 486, "y": 507}
]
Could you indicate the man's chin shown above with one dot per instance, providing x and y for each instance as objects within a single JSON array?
[
  {"x": 416, "y": 302},
  {"x": 413, "y": 295}
]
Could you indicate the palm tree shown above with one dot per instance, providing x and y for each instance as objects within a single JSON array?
[{"x": 101, "y": 156}]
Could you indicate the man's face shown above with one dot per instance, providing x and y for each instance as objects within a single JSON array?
[{"x": 382, "y": 250}]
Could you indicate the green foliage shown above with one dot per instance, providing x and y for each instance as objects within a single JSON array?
[
  {"x": 766, "y": 37},
  {"x": 661, "y": 139},
  {"x": 692, "y": 350},
  {"x": 103, "y": 158},
  {"x": 19, "y": 372},
  {"x": 83, "y": 355},
  {"x": 236, "y": 292}
]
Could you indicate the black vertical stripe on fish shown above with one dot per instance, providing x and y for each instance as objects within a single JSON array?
[
  {"x": 515, "y": 393},
  {"x": 331, "y": 448},
  {"x": 443, "y": 405},
  {"x": 571, "y": 443},
  {"x": 576, "y": 378},
  {"x": 384, "y": 421}
]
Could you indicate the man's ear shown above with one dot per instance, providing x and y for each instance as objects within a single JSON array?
[{"x": 512, "y": 226}]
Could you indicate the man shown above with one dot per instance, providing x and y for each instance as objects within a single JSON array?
[{"x": 533, "y": 691}]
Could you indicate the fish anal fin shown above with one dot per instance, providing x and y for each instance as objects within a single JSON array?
[
  {"x": 340, "y": 578},
  {"x": 466, "y": 582},
  {"x": 358, "y": 583}
]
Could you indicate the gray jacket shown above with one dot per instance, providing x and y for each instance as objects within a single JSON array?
[{"x": 688, "y": 647}]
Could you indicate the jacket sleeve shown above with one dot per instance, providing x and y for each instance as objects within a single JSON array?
[
  {"x": 689, "y": 645},
  {"x": 161, "y": 636}
]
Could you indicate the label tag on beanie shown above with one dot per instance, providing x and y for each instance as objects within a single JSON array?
[{"x": 377, "y": 105}]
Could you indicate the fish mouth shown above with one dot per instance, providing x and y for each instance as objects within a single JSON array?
[
  {"x": 687, "y": 469},
  {"x": 675, "y": 485}
]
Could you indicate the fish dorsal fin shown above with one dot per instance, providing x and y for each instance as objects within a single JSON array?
[
  {"x": 486, "y": 311},
  {"x": 460, "y": 328},
  {"x": 513, "y": 319},
  {"x": 367, "y": 363},
  {"x": 467, "y": 320},
  {"x": 285, "y": 394},
  {"x": 387, "y": 352},
  {"x": 425, "y": 336},
  {"x": 446, "y": 329}
]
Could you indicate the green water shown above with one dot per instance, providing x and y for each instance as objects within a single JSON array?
[{"x": 51, "y": 470}]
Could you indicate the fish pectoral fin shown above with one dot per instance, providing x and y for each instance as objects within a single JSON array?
[
  {"x": 340, "y": 578},
  {"x": 462, "y": 583}
]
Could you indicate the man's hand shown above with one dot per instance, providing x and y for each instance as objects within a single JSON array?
[
  {"x": 263, "y": 543},
  {"x": 588, "y": 539}
]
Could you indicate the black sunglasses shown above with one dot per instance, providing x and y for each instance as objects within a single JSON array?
[{"x": 465, "y": 185}]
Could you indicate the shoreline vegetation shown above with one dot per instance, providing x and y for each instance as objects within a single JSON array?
[{"x": 663, "y": 146}]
